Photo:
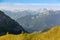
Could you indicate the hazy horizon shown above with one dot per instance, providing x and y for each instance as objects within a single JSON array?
[{"x": 31, "y": 6}]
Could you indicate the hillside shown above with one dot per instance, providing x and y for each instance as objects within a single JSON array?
[
  {"x": 9, "y": 25},
  {"x": 52, "y": 34}
]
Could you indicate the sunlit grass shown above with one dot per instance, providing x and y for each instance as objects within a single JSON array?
[{"x": 53, "y": 34}]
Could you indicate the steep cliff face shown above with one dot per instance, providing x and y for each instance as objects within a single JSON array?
[{"x": 9, "y": 25}]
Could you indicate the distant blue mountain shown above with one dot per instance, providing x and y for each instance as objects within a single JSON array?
[
  {"x": 35, "y": 21},
  {"x": 18, "y": 14},
  {"x": 40, "y": 21}
]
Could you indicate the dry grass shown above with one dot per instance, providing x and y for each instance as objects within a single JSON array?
[{"x": 53, "y": 34}]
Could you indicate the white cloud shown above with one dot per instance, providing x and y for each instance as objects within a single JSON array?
[{"x": 21, "y": 6}]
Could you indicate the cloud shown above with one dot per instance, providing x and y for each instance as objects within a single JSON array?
[{"x": 31, "y": 6}]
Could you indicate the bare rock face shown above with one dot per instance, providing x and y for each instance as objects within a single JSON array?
[{"x": 9, "y": 25}]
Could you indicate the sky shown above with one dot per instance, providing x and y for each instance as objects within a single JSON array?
[
  {"x": 31, "y": 1},
  {"x": 29, "y": 4}
]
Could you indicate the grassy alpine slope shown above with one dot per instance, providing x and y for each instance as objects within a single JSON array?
[{"x": 52, "y": 34}]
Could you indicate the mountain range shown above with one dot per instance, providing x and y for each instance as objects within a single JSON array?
[
  {"x": 36, "y": 21},
  {"x": 41, "y": 21}
]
